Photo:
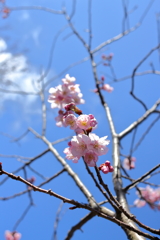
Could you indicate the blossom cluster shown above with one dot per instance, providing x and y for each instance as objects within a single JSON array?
[
  {"x": 87, "y": 146},
  {"x": 65, "y": 93},
  {"x": 106, "y": 167},
  {"x": 150, "y": 196},
  {"x": 12, "y": 235},
  {"x": 129, "y": 163},
  {"x": 80, "y": 123}
]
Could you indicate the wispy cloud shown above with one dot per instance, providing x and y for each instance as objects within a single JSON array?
[{"x": 16, "y": 76}]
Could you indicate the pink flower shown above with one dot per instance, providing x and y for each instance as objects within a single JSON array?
[
  {"x": 79, "y": 131},
  {"x": 69, "y": 155},
  {"x": 66, "y": 93},
  {"x": 102, "y": 78},
  {"x": 149, "y": 195},
  {"x": 56, "y": 98},
  {"x": 83, "y": 121},
  {"x": 106, "y": 167},
  {"x": 70, "y": 106},
  {"x": 68, "y": 79},
  {"x": 74, "y": 88},
  {"x": 98, "y": 145},
  {"x": 71, "y": 121},
  {"x": 90, "y": 158},
  {"x": 59, "y": 119},
  {"x": 12, "y": 235},
  {"x": 139, "y": 203},
  {"x": 93, "y": 121},
  {"x": 79, "y": 145},
  {"x": 129, "y": 163},
  {"x": 107, "y": 88}
]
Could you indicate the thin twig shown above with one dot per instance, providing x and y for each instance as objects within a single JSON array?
[
  {"x": 133, "y": 184},
  {"x": 139, "y": 121},
  {"x": 133, "y": 76}
]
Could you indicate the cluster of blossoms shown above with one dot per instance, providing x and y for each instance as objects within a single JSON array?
[
  {"x": 104, "y": 86},
  {"x": 129, "y": 163},
  {"x": 66, "y": 93},
  {"x": 79, "y": 124},
  {"x": 150, "y": 196},
  {"x": 85, "y": 144},
  {"x": 106, "y": 167},
  {"x": 12, "y": 235}
]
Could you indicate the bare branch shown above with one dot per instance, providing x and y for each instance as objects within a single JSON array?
[
  {"x": 30, "y": 189},
  {"x": 145, "y": 133},
  {"x": 36, "y": 8},
  {"x": 57, "y": 220},
  {"x": 133, "y": 75},
  {"x": 22, "y": 217},
  {"x": 133, "y": 184},
  {"x": 80, "y": 205},
  {"x": 139, "y": 121},
  {"x": 119, "y": 36}
]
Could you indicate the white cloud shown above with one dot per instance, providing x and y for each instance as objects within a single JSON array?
[
  {"x": 3, "y": 45},
  {"x": 16, "y": 75}
]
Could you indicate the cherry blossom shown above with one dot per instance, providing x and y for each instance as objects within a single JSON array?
[
  {"x": 98, "y": 145},
  {"x": 69, "y": 155},
  {"x": 90, "y": 158},
  {"x": 148, "y": 195},
  {"x": 129, "y": 163},
  {"x": 87, "y": 146},
  {"x": 106, "y": 167},
  {"x": 70, "y": 120},
  {"x": 139, "y": 203},
  {"x": 79, "y": 145},
  {"x": 107, "y": 88},
  {"x": 12, "y": 235},
  {"x": 83, "y": 121},
  {"x": 65, "y": 93},
  {"x": 68, "y": 79}
]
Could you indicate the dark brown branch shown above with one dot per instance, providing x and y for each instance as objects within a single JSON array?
[
  {"x": 30, "y": 189},
  {"x": 27, "y": 164},
  {"x": 139, "y": 121},
  {"x": 57, "y": 220},
  {"x": 80, "y": 205},
  {"x": 145, "y": 133},
  {"x": 133, "y": 184},
  {"x": 133, "y": 75},
  {"x": 121, "y": 208},
  {"x": 22, "y": 217}
]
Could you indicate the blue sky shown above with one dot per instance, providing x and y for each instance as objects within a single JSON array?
[{"x": 31, "y": 34}]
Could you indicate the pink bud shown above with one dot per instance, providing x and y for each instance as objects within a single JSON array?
[{"x": 102, "y": 78}]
